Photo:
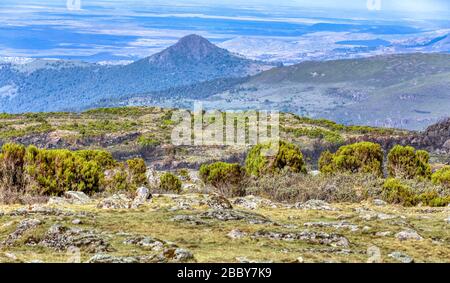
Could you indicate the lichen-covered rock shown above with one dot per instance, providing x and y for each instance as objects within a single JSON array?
[
  {"x": 314, "y": 204},
  {"x": 117, "y": 201},
  {"x": 178, "y": 255},
  {"x": 408, "y": 235},
  {"x": 22, "y": 227},
  {"x": 105, "y": 258},
  {"x": 307, "y": 236},
  {"x": 379, "y": 202},
  {"x": 77, "y": 197},
  {"x": 236, "y": 234},
  {"x": 401, "y": 257},
  {"x": 215, "y": 201},
  {"x": 142, "y": 195},
  {"x": 61, "y": 238},
  {"x": 228, "y": 214},
  {"x": 252, "y": 202},
  {"x": 146, "y": 242},
  {"x": 334, "y": 225}
]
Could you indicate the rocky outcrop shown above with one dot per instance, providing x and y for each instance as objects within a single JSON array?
[
  {"x": 142, "y": 195},
  {"x": 117, "y": 201}
]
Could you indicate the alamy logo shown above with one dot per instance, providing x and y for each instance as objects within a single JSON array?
[{"x": 230, "y": 128}]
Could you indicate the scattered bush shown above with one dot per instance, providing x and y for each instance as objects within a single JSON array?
[
  {"x": 395, "y": 192},
  {"x": 52, "y": 172},
  {"x": 404, "y": 162},
  {"x": 288, "y": 156},
  {"x": 170, "y": 183},
  {"x": 137, "y": 172},
  {"x": 12, "y": 167},
  {"x": 364, "y": 157},
  {"x": 225, "y": 177},
  {"x": 221, "y": 174},
  {"x": 442, "y": 177}
]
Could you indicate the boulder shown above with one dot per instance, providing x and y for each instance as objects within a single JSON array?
[
  {"x": 178, "y": 255},
  {"x": 142, "y": 195},
  {"x": 408, "y": 235},
  {"x": 252, "y": 202},
  {"x": 379, "y": 202},
  {"x": 77, "y": 197},
  {"x": 105, "y": 258},
  {"x": 117, "y": 201},
  {"x": 401, "y": 257},
  {"x": 321, "y": 238},
  {"x": 236, "y": 234},
  {"x": 215, "y": 201},
  {"x": 314, "y": 204}
]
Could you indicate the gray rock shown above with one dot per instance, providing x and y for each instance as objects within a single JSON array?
[
  {"x": 448, "y": 220},
  {"x": 215, "y": 201},
  {"x": 314, "y": 204},
  {"x": 408, "y": 235},
  {"x": 147, "y": 242},
  {"x": 228, "y": 215},
  {"x": 178, "y": 255},
  {"x": 77, "y": 197},
  {"x": 61, "y": 238},
  {"x": 401, "y": 257},
  {"x": 117, "y": 201},
  {"x": 142, "y": 195},
  {"x": 334, "y": 240},
  {"x": 189, "y": 219},
  {"x": 76, "y": 221},
  {"x": 383, "y": 234},
  {"x": 253, "y": 202},
  {"x": 22, "y": 227},
  {"x": 236, "y": 234},
  {"x": 105, "y": 258},
  {"x": 335, "y": 225},
  {"x": 379, "y": 202}
]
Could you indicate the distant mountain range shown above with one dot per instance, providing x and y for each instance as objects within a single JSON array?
[
  {"x": 406, "y": 91},
  {"x": 57, "y": 85}
]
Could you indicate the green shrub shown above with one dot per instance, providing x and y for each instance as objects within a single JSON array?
[
  {"x": 221, "y": 174},
  {"x": 326, "y": 162},
  {"x": 137, "y": 171},
  {"x": 364, "y": 157},
  {"x": 51, "y": 172},
  {"x": 433, "y": 199},
  {"x": 288, "y": 157},
  {"x": 102, "y": 157},
  {"x": 442, "y": 177},
  {"x": 170, "y": 183},
  {"x": 395, "y": 192},
  {"x": 12, "y": 167},
  {"x": 405, "y": 162}
]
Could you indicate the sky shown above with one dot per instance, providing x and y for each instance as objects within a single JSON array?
[{"x": 121, "y": 29}]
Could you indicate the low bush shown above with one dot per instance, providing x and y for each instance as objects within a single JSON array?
[
  {"x": 226, "y": 177},
  {"x": 137, "y": 172},
  {"x": 170, "y": 183},
  {"x": 407, "y": 163},
  {"x": 286, "y": 156},
  {"x": 52, "y": 172},
  {"x": 442, "y": 177},
  {"x": 395, "y": 192},
  {"x": 364, "y": 157}
]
